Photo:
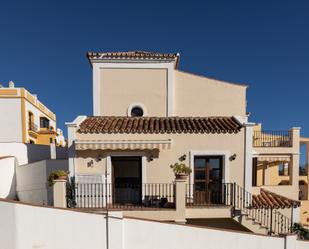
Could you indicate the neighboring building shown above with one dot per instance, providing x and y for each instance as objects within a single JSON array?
[
  {"x": 27, "y": 120},
  {"x": 276, "y": 165},
  {"x": 149, "y": 115}
]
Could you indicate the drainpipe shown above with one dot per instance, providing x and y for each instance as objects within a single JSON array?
[{"x": 292, "y": 219}]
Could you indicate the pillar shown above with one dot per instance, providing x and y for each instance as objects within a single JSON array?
[
  {"x": 295, "y": 159},
  {"x": 248, "y": 148},
  {"x": 59, "y": 190},
  {"x": 180, "y": 200}
]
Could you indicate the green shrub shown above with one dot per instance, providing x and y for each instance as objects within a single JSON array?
[
  {"x": 180, "y": 168},
  {"x": 55, "y": 175},
  {"x": 301, "y": 232}
]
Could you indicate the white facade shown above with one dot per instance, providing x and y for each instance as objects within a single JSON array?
[
  {"x": 11, "y": 120},
  {"x": 7, "y": 177},
  {"x": 31, "y": 181}
]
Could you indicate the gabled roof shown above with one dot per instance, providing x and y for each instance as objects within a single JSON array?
[
  {"x": 152, "y": 125},
  {"x": 268, "y": 199},
  {"x": 134, "y": 55}
]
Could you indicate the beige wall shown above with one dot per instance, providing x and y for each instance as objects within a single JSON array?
[
  {"x": 158, "y": 171},
  {"x": 119, "y": 88},
  {"x": 192, "y": 95},
  {"x": 201, "y": 96}
]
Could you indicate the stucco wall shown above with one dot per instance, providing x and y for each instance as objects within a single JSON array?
[
  {"x": 28, "y": 153},
  {"x": 10, "y": 125},
  {"x": 31, "y": 179},
  {"x": 119, "y": 88},
  {"x": 300, "y": 244},
  {"x": 201, "y": 96},
  {"x": 28, "y": 227},
  {"x": 304, "y": 213},
  {"x": 153, "y": 235},
  {"x": 158, "y": 170},
  {"x": 7, "y": 177}
]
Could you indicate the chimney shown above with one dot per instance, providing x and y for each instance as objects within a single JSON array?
[{"x": 11, "y": 84}]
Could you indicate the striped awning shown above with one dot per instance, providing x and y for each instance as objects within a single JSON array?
[
  {"x": 123, "y": 144},
  {"x": 270, "y": 158}
]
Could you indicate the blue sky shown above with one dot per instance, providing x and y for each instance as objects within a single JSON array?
[{"x": 264, "y": 44}]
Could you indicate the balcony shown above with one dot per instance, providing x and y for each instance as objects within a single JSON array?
[
  {"x": 33, "y": 127},
  {"x": 33, "y": 130},
  {"x": 272, "y": 139}
]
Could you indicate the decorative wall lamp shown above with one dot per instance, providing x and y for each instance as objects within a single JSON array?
[
  {"x": 99, "y": 158},
  {"x": 150, "y": 157},
  {"x": 182, "y": 158},
  {"x": 233, "y": 157}
]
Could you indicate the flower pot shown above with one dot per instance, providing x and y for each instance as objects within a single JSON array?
[
  {"x": 181, "y": 176},
  {"x": 62, "y": 178}
]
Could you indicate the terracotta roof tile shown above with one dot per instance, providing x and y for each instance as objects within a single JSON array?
[
  {"x": 144, "y": 55},
  {"x": 150, "y": 125},
  {"x": 267, "y": 199}
]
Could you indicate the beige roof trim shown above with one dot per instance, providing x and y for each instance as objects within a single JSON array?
[{"x": 217, "y": 80}]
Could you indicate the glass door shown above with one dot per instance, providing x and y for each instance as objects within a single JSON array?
[{"x": 208, "y": 179}]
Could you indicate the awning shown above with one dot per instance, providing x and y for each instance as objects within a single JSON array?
[
  {"x": 282, "y": 158},
  {"x": 123, "y": 144}
]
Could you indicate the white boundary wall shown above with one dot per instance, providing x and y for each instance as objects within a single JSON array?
[
  {"x": 7, "y": 177},
  {"x": 22, "y": 154},
  {"x": 28, "y": 153},
  {"x": 27, "y": 227},
  {"x": 31, "y": 181},
  {"x": 155, "y": 235}
]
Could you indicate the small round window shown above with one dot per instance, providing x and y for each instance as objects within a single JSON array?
[{"x": 137, "y": 111}]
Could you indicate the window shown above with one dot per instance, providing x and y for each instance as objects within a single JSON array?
[
  {"x": 283, "y": 169},
  {"x": 303, "y": 191},
  {"x": 31, "y": 125},
  {"x": 44, "y": 122},
  {"x": 137, "y": 111}
]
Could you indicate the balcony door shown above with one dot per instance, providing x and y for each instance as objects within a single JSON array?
[{"x": 208, "y": 179}]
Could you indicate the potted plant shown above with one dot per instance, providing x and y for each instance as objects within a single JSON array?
[
  {"x": 57, "y": 175},
  {"x": 181, "y": 170}
]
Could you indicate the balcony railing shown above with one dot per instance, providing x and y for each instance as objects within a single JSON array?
[
  {"x": 121, "y": 196},
  {"x": 214, "y": 194},
  {"x": 33, "y": 127},
  {"x": 272, "y": 139}
]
